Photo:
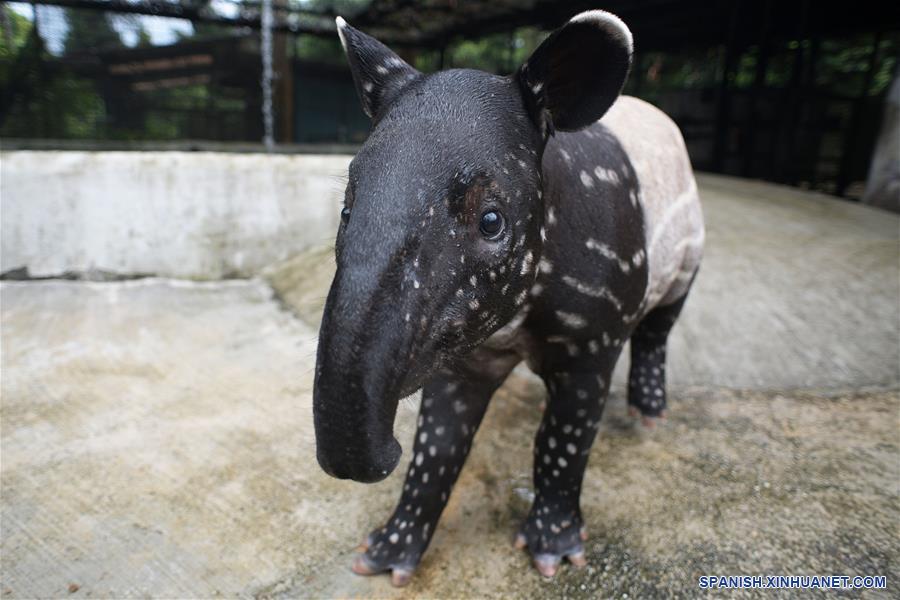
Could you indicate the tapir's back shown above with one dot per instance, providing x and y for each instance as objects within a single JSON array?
[{"x": 673, "y": 220}]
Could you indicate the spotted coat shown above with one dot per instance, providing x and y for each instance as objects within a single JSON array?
[{"x": 487, "y": 221}]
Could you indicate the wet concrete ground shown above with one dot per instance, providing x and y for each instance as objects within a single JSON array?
[{"x": 156, "y": 435}]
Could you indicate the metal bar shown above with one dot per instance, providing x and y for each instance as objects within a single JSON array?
[
  {"x": 266, "y": 23},
  {"x": 723, "y": 113},
  {"x": 851, "y": 137}
]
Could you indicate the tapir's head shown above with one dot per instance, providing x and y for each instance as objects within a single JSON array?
[{"x": 442, "y": 225}]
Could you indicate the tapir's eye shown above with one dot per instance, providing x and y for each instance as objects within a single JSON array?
[
  {"x": 345, "y": 215},
  {"x": 491, "y": 224}
]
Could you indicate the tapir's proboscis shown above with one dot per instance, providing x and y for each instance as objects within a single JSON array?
[{"x": 488, "y": 220}]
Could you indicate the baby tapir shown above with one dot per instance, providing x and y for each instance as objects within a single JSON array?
[{"x": 490, "y": 220}]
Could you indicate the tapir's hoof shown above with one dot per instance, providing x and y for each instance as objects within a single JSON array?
[
  {"x": 361, "y": 566},
  {"x": 399, "y": 576},
  {"x": 648, "y": 421},
  {"x": 578, "y": 560},
  {"x": 547, "y": 563}
]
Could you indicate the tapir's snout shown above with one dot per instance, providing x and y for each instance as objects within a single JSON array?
[
  {"x": 358, "y": 380},
  {"x": 354, "y": 434},
  {"x": 365, "y": 467}
]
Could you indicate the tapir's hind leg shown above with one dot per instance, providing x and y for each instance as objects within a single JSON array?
[
  {"x": 647, "y": 376},
  {"x": 453, "y": 404}
]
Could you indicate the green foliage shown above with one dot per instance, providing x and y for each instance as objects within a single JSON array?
[
  {"x": 497, "y": 53},
  {"x": 61, "y": 106},
  {"x": 52, "y": 100},
  {"x": 845, "y": 63},
  {"x": 316, "y": 49},
  {"x": 18, "y": 28},
  {"x": 690, "y": 69}
]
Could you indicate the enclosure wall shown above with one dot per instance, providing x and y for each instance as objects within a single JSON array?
[{"x": 178, "y": 214}]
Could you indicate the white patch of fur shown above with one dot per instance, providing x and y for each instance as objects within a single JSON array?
[{"x": 668, "y": 197}]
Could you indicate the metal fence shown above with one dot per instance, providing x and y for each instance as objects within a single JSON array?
[{"x": 803, "y": 111}]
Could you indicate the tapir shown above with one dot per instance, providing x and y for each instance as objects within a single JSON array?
[{"x": 490, "y": 220}]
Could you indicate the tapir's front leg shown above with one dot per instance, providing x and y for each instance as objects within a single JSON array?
[
  {"x": 554, "y": 528},
  {"x": 453, "y": 404}
]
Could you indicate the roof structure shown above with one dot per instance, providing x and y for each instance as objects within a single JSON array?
[{"x": 657, "y": 24}]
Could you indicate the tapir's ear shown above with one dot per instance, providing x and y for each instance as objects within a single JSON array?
[
  {"x": 576, "y": 74},
  {"x": 378, "y": 73}
]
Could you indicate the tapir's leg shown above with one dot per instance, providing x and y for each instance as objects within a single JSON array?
[
  {"x": 647, "y": 377},
  {"x": 453, "y": 404},
  {"x": 553, "y": 528}
]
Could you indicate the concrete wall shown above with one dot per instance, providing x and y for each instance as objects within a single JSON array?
[{"x": 179, "y": 214}]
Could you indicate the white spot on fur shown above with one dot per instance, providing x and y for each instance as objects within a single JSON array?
[
  {"x": 545, "y": 266},
  {"x": 607, "y": 175},
  {"x": 526, "y": 262},
  {"x": 593, "y": 292},
  {"x": 607, "y": 252},
  {"x": 551, "y": 216},
  {"x": 573, "y": 320},
  {"x": 586, "y": 180}
]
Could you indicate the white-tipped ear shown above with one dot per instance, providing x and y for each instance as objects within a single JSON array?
[
  {"x": 378, "y": 73},
  {"x": 609, "y": 22},
  {"x": 341, "y": 24},
  {"x": 576, "y": 74}
]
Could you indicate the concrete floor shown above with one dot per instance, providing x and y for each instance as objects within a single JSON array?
[{"x": 156, "y": 435}]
